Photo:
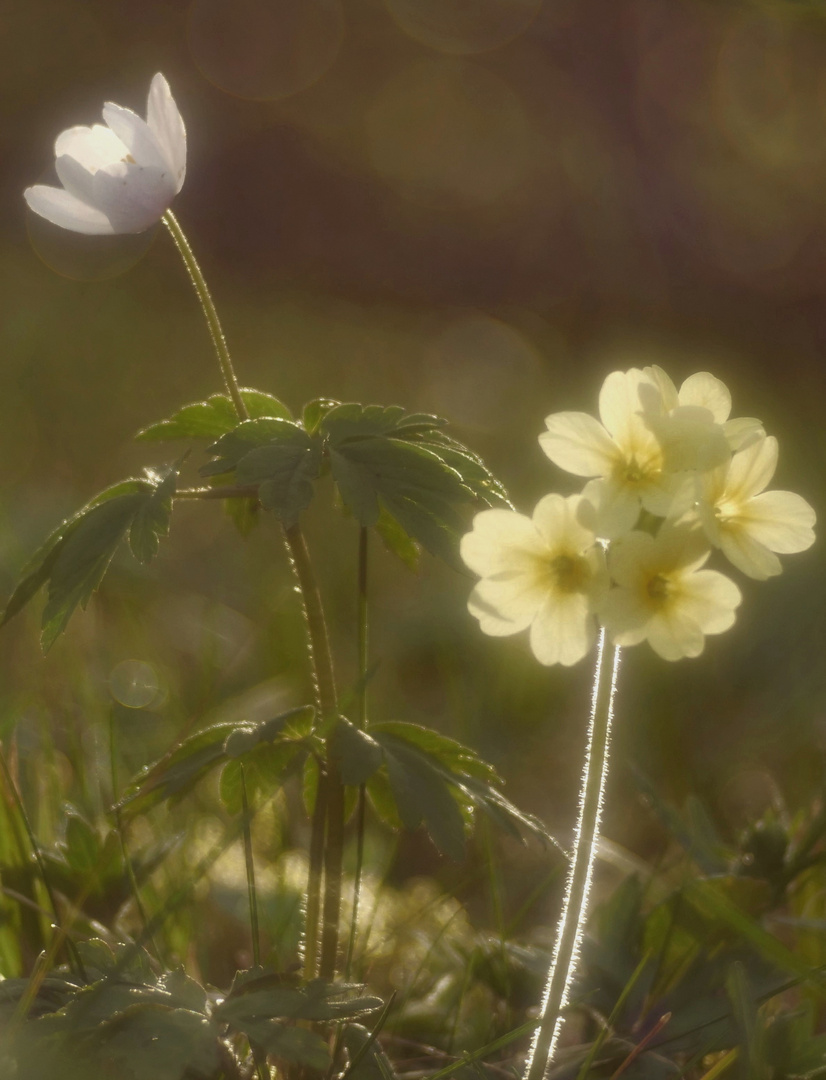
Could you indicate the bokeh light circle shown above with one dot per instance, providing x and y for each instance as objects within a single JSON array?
[
  {"x": 463, "y": 27},
  {"x": 134, "y": 684},
  {"x": 448, "y": 133},
  {"x": 264, "y": 50},
  {"x": 84, "y": 258},
  {"x": 481, "y": 370}
]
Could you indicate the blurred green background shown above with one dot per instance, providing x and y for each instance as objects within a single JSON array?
[{"x": 473, "y": 208}]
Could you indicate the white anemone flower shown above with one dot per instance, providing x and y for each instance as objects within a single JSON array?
[
  {"x": 748, "y": 523},
  {"x": 663, "y": 595},
  {"x": 546, "y": 572},
  {"x": 623, "y": 451},
  {"x": 120, "y": 178}
]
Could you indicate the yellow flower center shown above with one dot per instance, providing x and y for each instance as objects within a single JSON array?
[
  {"x": 658, "y": 589},
  {"x": 568, "y": 573}
]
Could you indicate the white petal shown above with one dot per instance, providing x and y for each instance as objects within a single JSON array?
[
  {"x": 630, "y": 557},
  {"x": 751, "y": 470},
  {"x": 579, "y": 444},
  {"x": 133, "y": 197},
  {"x": 92, "y": 147},
  {"x": 563, "y": 630},
  {"x": 502, "y": 541},
  {"x": 166, "y": 123},
  {"x": 77, "y": 179},
  {"x": 781, "y": 520},
  {"x": 664, "y": 384},
  {"x": 708, "y": 392},
  {"x": 67, "y": 211},
  {"x": 744, "y": 552},
  {"x": 137, "y": 137},
  {"x": 504, "y": 607}
]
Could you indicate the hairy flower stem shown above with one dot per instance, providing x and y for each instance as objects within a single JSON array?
[
  {"x": 574, "y": 909},
  {"x": 211, "y": 315},
  {"x": 328, "y": 819}
]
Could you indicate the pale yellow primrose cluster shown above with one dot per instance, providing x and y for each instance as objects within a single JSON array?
[{"x": 670, "y": 476}]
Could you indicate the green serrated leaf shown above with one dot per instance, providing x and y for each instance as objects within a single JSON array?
[
  {"x": 284, "y": 472},
  {"x": 245, "y": 514},
  {"x": 82, "y": 560},
  {"x": 315, "y": 411},
  {"x": 153, "y": 1042},
  {"x": 396, "y": 540},
  {"x": 422, "y": 796},
  {"x": 247, "y": 436},
  {"x": 151, "y": 522},
  {"x": 39, "y": 567},
  {"x": 177, "y": 772},
  {"x": 357, "y": 753},
  {"x": 212, "y": 418},
  {"x": 265, "y": 769}
]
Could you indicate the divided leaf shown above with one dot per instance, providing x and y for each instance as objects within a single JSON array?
[
  {"x": 76, "y": 555},
  {"x": 212, "y": 418}
]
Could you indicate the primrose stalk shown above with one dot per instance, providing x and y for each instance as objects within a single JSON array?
[{"x": 574, "y": 909}]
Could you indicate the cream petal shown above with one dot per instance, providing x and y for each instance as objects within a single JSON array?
[
  {"x": 92, "y": 147},
  {"x": 708, "y": 392},
  {"x": 501, "y": 541},
  {"x": 743, "y": 431},
  {"x": 167, "y": 125},
  {"x": 665, "y": 385},
  {"x": 674, "y": 636},
  {"x": 563, "y": 630},
  {"x": 743, "y": 551},
  {"x": 751, "y": 470},
  {"x": 678, "y": 547},
  {"x": 504, "y": 607},
  {"x": 709, "y": 599},
  {"x": 66, "y": 210},
  {"x": 579, "y": 444},
  {"x": 781, "y": 520},
  {"x": 624, "y": 397},
  {"x": 629, "y": 558},
  {"x": 133, "y": 197},
  {"x": 138, "y": 138},
  {"x": 624, "y": 616},
  {"x": 617, "y": 507},
  {"x": 558, "y": 523}
]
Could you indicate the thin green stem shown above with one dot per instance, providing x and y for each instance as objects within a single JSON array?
[
  {"x": 121, "y": 831},
  {"x": 575, "y": 905},
  {"x": 363, "y": 657},
  {"x": 328, "y": 828},
  {"x": 75, "y": 961},
  {"x": 211, "y": 315},
  {"x": 249, "y": 862}
]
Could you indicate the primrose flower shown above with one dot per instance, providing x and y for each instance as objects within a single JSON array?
[
  {"x": 663, "y": 595},
  {"x": 748, "y": 523},
  {"x": 546, "y": 572},
  {"x": 622, "y": 452},
  {"x": 120, "y": 178}
]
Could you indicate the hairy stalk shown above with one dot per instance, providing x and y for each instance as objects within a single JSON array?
[
  {"x": 363, "y": 655},
  {"x": 328, "y": 827},
  {"x": 211, "y": 315},
  {"x": 249, "y": 864},
  {"x": 574, "y": 908}
]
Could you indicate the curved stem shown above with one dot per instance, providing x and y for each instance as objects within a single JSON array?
[
  {"x": 211, "y": 315},
  {"x": 574, "y": 909}
]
